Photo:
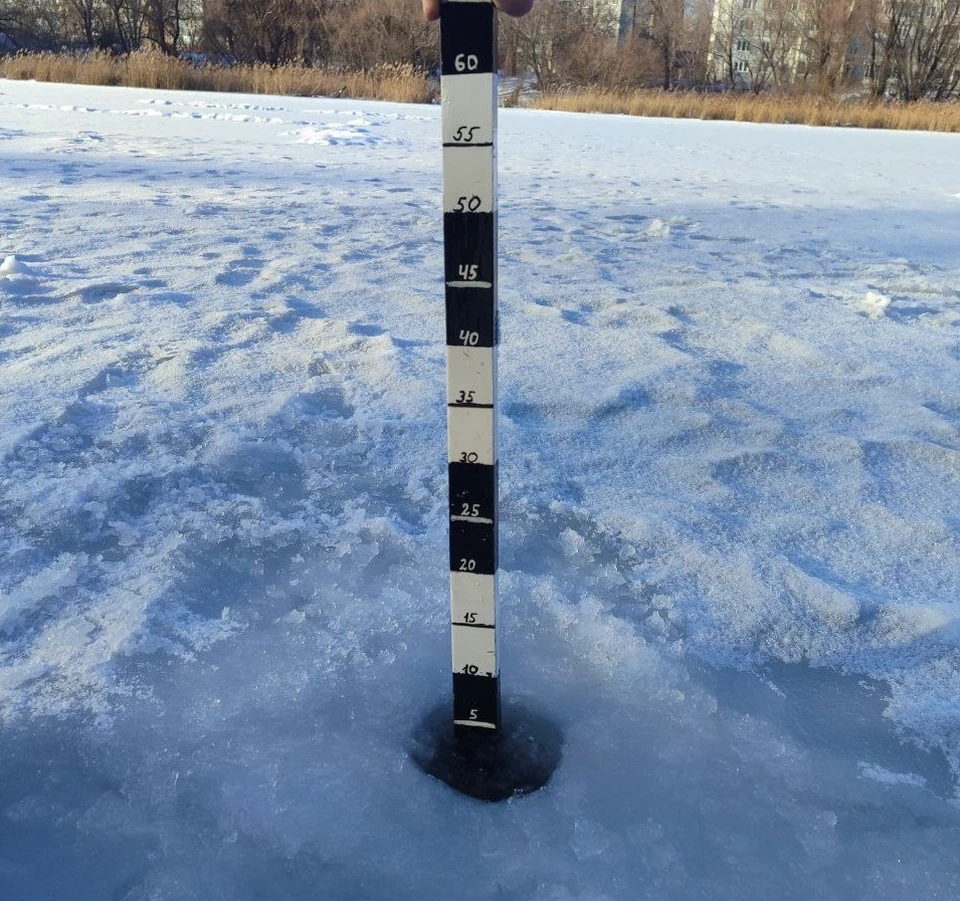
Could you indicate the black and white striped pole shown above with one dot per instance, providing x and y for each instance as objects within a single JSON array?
[
  {"x": 469, "y": 128},
  {"x": 475, "y": 753}
]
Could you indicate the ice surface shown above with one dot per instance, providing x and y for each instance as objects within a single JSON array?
[
  {"x": 12, "y": 266},
  {"x": 730, "y": 462},
  {"x": 874, "y": 304}
]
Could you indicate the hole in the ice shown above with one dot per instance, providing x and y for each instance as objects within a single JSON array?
[{"x": 517, "y": 760}]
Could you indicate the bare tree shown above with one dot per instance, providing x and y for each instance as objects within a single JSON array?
[
  {"x": 11, "y": 23},
  {"x": 831, "y": 26},
  {"x": 32, "y": 23},
  {"x": 916, "y": 49},
  {"x": 253, "y": 30},
  {"x": 172, "y": 25},
  {"x": 662, "y": 23},
  {"x": 371, "y": 32},
  {"x": 86, "y": 18},
  {"x": 561, "y": 40},
  {"x": 776, "y": 44},
  {"x": 125, "y": 21},
  {"x": 729, "y": 41},
  {"x": 697, "y": 51}
]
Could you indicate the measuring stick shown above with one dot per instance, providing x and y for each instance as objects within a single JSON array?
[{"x": 469, "y": 126}]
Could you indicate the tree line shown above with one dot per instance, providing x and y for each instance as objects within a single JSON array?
[
  {"x": 903, "y": 49},
  {"x": 907, "y": 49},
  {"x": 349, "y": 33}
]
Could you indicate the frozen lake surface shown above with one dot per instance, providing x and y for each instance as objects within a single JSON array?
[{"x": 730, "y": 472}]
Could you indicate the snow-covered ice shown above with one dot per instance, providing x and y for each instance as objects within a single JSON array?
[{"x": 730, "y": 474}]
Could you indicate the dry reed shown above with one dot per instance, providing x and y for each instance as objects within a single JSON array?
[
  {"x": 151, "y": 69},
  {"x": 739, "y": 107}
]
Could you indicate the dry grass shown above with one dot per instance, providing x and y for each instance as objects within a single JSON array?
[
  {"x": 151, "y": 69},
  {"x": 800, "y": 109}
]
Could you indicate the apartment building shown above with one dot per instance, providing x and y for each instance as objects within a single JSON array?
[{"x": 756, "y": 43}]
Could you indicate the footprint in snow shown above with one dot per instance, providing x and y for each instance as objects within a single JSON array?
[{"x": 240, "y": 273}]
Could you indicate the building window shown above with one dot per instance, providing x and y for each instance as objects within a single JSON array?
[
  {"x": 749, "y": 4},
  {"x": 740, "y": 65},
  {"x": 743, "y": 44}
]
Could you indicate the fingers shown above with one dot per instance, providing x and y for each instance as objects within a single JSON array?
[{"x": 431, "y": 9}]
